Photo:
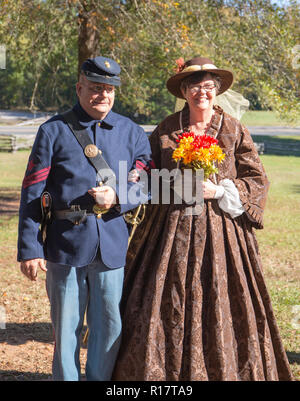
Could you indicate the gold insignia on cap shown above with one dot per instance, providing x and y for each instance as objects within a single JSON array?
[
  {"x": 91, "y": 150},
  {"x": 107, "y": 64}
]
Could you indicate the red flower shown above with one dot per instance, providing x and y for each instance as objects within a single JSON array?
[
  {"x": 180, "y": 64},
  {"x": 200, "y": 141},
  {"x": 204, "y": 141},
  {"x": 185, "y": 135},
  {"x": 198, "y": 152}
]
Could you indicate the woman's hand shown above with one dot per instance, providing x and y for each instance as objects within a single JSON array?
[
  {"x": 133, "y": 176},
  {"x": 209, "y": 189}
]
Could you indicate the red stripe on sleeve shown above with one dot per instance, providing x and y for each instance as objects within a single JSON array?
[
  {"x": 140, "y": 165},
  {"x": 36, "y": 177},
  {"x": 30, "y": 165}
]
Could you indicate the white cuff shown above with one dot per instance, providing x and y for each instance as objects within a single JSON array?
[
  {"x": 230, "y": 201},
  {"x": 219, "y": 192}
]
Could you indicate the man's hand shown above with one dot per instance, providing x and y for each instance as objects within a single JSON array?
[
  {"x": 104, "y": 196},
  {"x": 30, "y": 267}
]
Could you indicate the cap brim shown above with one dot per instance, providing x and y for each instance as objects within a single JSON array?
[
  {"x": 103, "y": 79},
  {"x": 173, "y": 83}
]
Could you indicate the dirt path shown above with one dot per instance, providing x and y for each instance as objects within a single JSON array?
[
  {"x": 8, "y": 205},
  {"x": 26, "y": 336}
]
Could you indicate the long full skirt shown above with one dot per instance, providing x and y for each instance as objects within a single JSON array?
[{"x": 195, "y": 304}]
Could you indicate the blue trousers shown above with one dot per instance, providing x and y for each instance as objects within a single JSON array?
[{"x": 70, "y": 291}]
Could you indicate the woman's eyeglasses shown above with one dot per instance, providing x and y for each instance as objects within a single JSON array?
[{"x": 197, "y": 88}]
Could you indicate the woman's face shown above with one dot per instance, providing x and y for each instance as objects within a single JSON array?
[{"x": 201, "y": 94}]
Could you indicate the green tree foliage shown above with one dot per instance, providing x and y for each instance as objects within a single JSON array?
[
  {"x": 48, "y": 40},
  {"x": 41, "y": 43}
]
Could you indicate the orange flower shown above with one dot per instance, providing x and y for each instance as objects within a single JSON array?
[{"x": 198, "y": 152}]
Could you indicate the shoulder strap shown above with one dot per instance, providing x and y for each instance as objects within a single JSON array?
[{"x": 94, "y": 155}]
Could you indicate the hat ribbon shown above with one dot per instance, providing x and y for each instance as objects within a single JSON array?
[{"x": 199, "y": 67}]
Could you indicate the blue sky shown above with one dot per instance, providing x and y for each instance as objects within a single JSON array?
[{"x": 282, "y": 2}]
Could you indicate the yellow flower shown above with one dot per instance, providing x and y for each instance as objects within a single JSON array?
[{"x": 198, "y": 153}]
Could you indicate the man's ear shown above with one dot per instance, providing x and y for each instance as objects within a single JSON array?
[{"x": 78, "y": 88}]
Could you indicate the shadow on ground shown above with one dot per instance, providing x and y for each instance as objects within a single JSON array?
[
  {"x": 15, "y": 375},
  {"x": 293, "y": 357},
  {"x": 295, "y": 188},
  {"x": 9, "y": 201},
  {"x": 20, "y": 333}
]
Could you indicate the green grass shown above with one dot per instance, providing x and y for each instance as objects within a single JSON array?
[
  {"x": 12, "y": 167},
  {"x": 279, "y": 244},
  {"x": 264, "y": 118},
  {"x": 282, "y": 214}
]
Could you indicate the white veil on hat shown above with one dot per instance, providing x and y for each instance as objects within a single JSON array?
[{"x": 231, "y": 102}]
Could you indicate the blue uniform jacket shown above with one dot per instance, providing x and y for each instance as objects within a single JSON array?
[{"x": 57, "y": 164}]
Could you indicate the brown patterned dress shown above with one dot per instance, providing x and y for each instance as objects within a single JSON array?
[{"x": 195, "y": 303}]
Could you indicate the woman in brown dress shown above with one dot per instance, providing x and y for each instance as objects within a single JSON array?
[{"x": 195, "y": 303}]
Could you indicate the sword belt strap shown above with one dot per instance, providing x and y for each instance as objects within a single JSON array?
[
  {"x": 105, "y": 173},
  {"x": 65, "y": 213}
]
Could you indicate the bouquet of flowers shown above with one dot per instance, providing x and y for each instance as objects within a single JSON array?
[{"x": 198, "y": 152}]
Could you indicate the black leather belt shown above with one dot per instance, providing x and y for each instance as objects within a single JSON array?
[{"x": 77, "y": 215}]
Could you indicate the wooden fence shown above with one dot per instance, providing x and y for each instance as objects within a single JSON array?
[
  {"x": 287, "y": 148},
  {"x": 280, "y": 146},
  {"x": 273, "y": 145},
  {"x": 12, "y": 143}
]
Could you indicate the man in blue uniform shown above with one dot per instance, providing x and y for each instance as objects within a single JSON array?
[{"x": 85, "y": 248}]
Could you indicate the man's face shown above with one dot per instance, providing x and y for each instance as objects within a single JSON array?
[{"x": 95, "y": 98}]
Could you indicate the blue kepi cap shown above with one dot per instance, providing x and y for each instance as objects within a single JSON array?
[{"x": 102, "y": 69}]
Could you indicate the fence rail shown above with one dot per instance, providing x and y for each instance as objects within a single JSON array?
[
  {"x": 12, "y": 143},
  {"x": 277, "y": 148}
]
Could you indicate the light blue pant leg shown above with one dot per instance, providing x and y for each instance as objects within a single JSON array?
[
  {"x": 68, "y": 293},
  {"x": 104, "y": 320}
]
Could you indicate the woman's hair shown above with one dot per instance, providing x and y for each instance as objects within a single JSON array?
[{"x": 196, "y": 77}]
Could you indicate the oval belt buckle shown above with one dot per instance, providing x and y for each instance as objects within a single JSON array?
[
  {"x": 99, "y": 211},
  {"x": 91, "y": 150}
]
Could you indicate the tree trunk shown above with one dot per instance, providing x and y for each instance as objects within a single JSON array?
[
  {"x": 88, "y": 36},
  {"x": 32, "y": 101}
]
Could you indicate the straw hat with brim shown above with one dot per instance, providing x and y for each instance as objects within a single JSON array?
[{"x": 198, "y": 64}]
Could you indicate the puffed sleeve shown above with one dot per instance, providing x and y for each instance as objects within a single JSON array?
[
  {"x": 155, "y": 148},
  {"x": 228, "y": 198},
  {"x": 251, "y": 182}
]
